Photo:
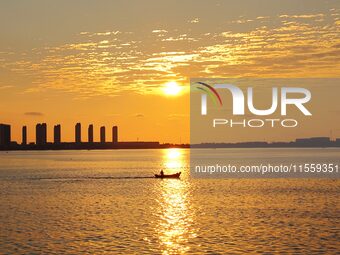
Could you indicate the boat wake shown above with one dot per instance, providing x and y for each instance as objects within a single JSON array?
[{"x": 88, "y": 178}]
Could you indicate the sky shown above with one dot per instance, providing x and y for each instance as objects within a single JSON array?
[{"x": 107, "y": 62}]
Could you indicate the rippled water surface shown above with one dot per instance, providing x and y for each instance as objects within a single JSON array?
[{"x": 104, "y": 202}]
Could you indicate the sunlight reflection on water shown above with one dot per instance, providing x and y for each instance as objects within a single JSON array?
[
  {"x": 174, "y": 160},
  {"x": 175, "y": 214},
  {"x": 174, "y": 227}
]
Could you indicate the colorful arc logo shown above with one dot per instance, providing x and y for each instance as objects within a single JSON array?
[{"x": 209, "y": 90}]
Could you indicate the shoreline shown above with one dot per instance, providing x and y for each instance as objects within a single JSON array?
[{"x": 175, "y": 146}]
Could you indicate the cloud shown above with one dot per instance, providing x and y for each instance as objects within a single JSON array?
[
  {"x": 107, "y": 33},
  {"x": 159, "y": 31},
  {"x": 262, "y": 17},
  {"x": 242, "y": 21},
  {"x": 303, "y": 16},
  {"x": 139, "y": 115},
  {"x": 195, "y": 20},
  {"x": 33, "y": 114},
  {"x": 116, "y": 62},
  {"x": 5, "y": 87}
]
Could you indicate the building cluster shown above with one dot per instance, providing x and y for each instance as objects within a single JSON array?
[
  {"x": 41, "y": 134},
  {"x": 314, "y": 140},
  {"x": 5, "y": 135}
]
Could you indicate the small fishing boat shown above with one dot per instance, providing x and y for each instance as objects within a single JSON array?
[{"x": 173, "y": 176}]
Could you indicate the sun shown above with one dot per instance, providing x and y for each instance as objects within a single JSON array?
[{"x": 172, "y": 88}]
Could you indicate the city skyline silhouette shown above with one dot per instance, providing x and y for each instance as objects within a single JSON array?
[{"x": 42, "y": 143}]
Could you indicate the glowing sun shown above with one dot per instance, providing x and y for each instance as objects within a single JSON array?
[{"x": 172, "y": 88}]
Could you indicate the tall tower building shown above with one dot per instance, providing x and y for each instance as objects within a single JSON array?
[
  {"x": 5, "y": 135},
  {"x": 57, "y": 134},
  {"x": 90, "y": 133},
  {"x": 102, "y": 134},
  {"x": 24, "y": 135},
  {"x": 115, "y": 134},
  {"x": 41, "y": 134},
  {"x": 38, "y": 134},
  {"x": 78, "y": 133},
  {"x": 44, "y": 133}
]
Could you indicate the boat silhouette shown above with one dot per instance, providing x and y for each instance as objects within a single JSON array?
[{"x": 171, "y": 176}]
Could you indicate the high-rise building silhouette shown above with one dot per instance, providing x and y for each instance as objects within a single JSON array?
[
  {"x": 5, "y": 135},
  {"x": 115, "y": 134},
  {"x": 78, "y": 133},
  {"x": 90, "y": 133},
  {"x": 37, "y": 133},
  {"x": 24, "y": 135},
  {"x": 57, "y": 134},
  {"x": 41, "y": 134},
  {"x": 102, "y": 134}
]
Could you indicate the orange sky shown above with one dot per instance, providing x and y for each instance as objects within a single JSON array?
[{"x": 106, "y": 63}]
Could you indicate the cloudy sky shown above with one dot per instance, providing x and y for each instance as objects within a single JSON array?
[{"x": 106, "y": 62}]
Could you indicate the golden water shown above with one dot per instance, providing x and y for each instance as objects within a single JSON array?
[{"x": 90, "y": 202}]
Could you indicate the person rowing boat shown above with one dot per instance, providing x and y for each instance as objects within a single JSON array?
[{"x": 162, "y": 175}]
